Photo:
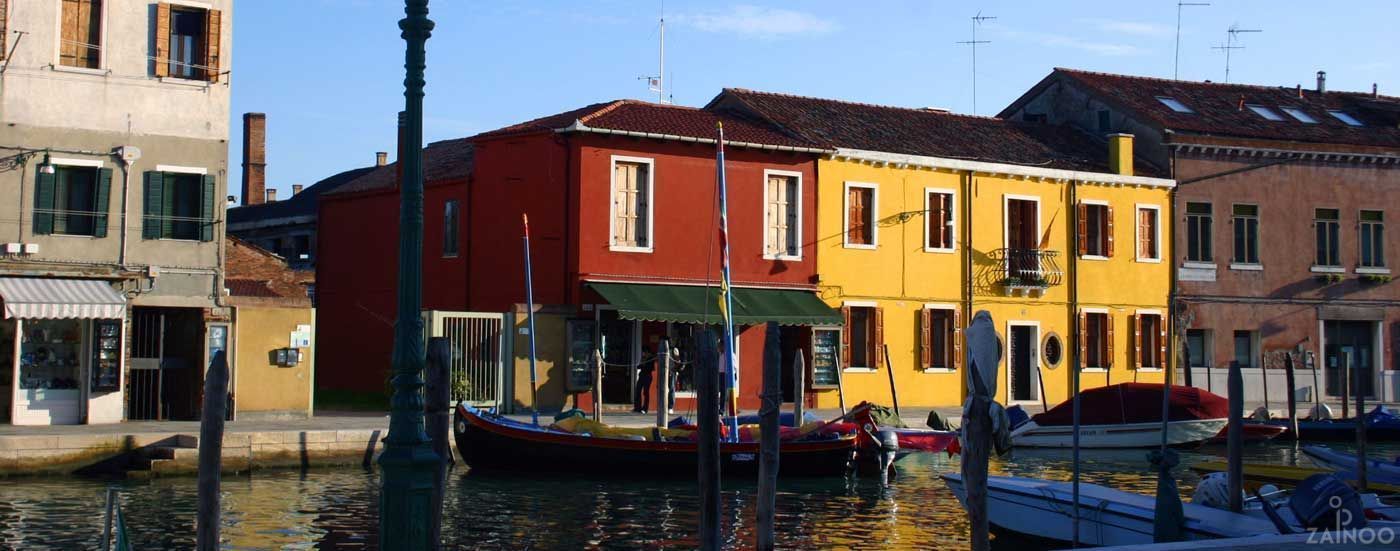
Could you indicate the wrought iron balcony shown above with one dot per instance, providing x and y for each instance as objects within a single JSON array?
[{"x": 1028, "y": 269}]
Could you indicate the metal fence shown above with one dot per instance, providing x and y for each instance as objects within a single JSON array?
[{"x": 478, "y": 354}]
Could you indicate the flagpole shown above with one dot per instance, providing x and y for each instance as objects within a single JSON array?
[
  {"x": 530, "y": 316},
  {"x": 731, "y": 382}
]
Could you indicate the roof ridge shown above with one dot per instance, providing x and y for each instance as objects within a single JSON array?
[
  {"x": 605, "y": 109},
  {"x": 1210, "y": 83},
  {"x": 925, "y": 110}
]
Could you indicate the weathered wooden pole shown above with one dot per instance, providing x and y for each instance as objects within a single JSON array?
[
  {"x": 598, "y": 385},
  {"x": 107, "y": 520},
  {"x": 663, "y": 381},
  {"x": 983, "y": 358},
  {"x": 1264, "y": 375},
  {"x": 211, "y": 449},
  {"x": 1346, "y": 383},
  {"x": 707, "y": 396},
  {"x": 768, "y": 412},
  {"x": 1360, "y": 425},
  {"x": 530, "y": 320},
  {"x": 1288, "y": 375},
  {"x": 799, "y": 388},
  {"x": 1235, "y": 437},
  {"x": 1184, "y": 360},
  {"x": 889, "y": 368},
  {"x": 840, "y": 386},
  {"x": 437, "y": 412}
]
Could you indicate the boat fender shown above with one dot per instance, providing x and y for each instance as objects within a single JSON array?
[
  {"x": 1261, "y": 414},
  {"x": 461, "y": 426},
  {"x": 1213, "y": 491},
  {"x": 1323, "y": 501}
]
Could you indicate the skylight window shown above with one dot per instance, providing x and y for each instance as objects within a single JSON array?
[
  {"x": 1174, "y": 105},
  {"x": 1265, "y": 112},
  {"x": 1299, "y": 114},
  {"x": 1344, "y": 117}
]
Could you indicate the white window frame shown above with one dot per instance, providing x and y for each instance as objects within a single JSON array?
[
  {"x": 1083, "y": 365},
  {"x": 1006, "y": 217},
  {"x": 612, "y": 204},
  {"x": 57, "y": 64},
  {"x": 89, "y": 163},
  {"x": 1162, "y": 320},
  {"x": 952, "y": 219},
  {"x": 1035, "y": 360},
  {"x": 797, "y": 204},
  {"x": 1097, "y": 202},
  {"x": 1298, "y": 114},
  {"x": 872, "y": 305},
  {"x": 1265, "y": 112},
  {"x": 946, "y": 307},
  {"x": 1207, "y": 347},
  {"x": 1339, "y": 268},
  {"x": 1384, "y": 268},
  {"x": 1345, "y": 117},
  {"x": 874, "y": 211},
  {"x": 1169, "y": 100},
  {"x": 1137, "y": 232},
  {"x": 183, "y": 169},
  {"x": 1258, "y": 231}
]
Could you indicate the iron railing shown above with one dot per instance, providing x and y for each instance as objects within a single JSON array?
[{"x": 1029, "y": 268}]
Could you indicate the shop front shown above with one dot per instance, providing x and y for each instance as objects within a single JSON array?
[{"x": 61, "y": 344}]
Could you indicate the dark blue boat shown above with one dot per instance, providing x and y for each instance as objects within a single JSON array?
[{"x": 1382, "y": 425}]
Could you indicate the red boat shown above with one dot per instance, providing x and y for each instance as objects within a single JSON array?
[
  {"x": 910, "y": 439},
  {"x": 1253, "y": 432}
]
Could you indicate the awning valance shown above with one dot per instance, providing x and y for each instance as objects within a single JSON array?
[
  {"x": 46, "y": 298},
  {"x": 696, "y": 304}
]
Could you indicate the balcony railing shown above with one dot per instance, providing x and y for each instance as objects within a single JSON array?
[{"x": 1029, "y": 269}]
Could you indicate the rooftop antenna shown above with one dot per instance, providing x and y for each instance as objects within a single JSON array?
[
  {"x": 658, "y": 83},
  {"x": 976, "y": 21},
  {"x": 1176, "y": 65},
  {"x": 1232, "y": 36}
]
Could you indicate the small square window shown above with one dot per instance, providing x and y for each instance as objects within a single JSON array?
[
  {"x": 1345, "y": 117},
  {"x": 1174, "y": 104},
  {"x": 1299, "y": 114},
  {"x": 1265, "y": 112}
]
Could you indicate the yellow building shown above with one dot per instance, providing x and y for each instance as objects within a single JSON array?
[{"x": 924, "y": 217}]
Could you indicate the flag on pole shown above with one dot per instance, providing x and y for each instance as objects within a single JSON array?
[{"x": 726, "y": 300}]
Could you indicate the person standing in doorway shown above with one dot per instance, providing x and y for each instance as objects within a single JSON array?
[{"x": 641, "y": 394}]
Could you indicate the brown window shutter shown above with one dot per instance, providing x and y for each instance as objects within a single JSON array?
[
  {"x": 926, "y": 337},
  {"x": 1138, "y": 335},
  {"x": 955, "y": 336},
  {"x": 1081, "y": 234},
  {"x": 879, "y": 343},
  {"x": 1108, "y": 341},
  {"x": 1108, "y": 231},
  {"x": 162, "y": 62},
  {"x": 853, "y": 215},
  {"x": 68, "y": 37},
  {"x": 1161, "y": 343},
  {"x": 846, "y": 337},
  {"x": 212, "y": 26},
  {"x": 1083, "y": 339}
]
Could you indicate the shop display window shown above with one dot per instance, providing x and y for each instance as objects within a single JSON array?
[{"x": 51, "y": 354}]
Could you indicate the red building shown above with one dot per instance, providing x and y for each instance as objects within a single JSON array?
[{"x": 622, "y": 200}]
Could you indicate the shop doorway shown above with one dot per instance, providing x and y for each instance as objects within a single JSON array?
[
  {"x": 167, "y": 371},
  {"x": 1022, "y": 362},
  {"x": 1353, "y": 340},
  {"x": 7, "y": 368},
  {"x": 618, "y": 339},
  {"x": 793, "y": 339}
]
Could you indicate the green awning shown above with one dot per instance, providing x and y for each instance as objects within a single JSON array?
[{"x": 697, "y": 304}]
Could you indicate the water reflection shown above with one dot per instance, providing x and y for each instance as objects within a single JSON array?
[{"x": 337, "y": 509}]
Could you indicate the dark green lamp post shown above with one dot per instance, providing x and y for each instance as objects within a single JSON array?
[{"x": 406, "y": 514}]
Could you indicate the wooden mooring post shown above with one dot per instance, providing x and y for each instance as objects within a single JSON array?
[
  {"x": 707, "y": 396},
  {"x": 894, "y": 392},
  {"x": 663, "y": 381},
  {"x": 768, "y": 412},
  {"x": 211, "y": 449},
  {"x": 1235, "y": 438},
  {"x": 1360, "y": 424},
  {"x": 1288, "y": 375},
  {"x": 799, "y": 388},
  {"x": 437, "y": 414}
]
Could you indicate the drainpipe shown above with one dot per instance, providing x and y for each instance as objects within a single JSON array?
[
  {"x": 966, "y": 223},
  {"x": 127, "y": 156}
]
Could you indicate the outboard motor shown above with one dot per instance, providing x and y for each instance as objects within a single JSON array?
[
  {"x": 889, "y": 448},
  {"x": 1324, "y": 502}
]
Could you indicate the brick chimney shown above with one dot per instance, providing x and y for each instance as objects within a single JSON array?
[
  {"x": 398, "y": 167},
  {"x": 381, "y": 158},
  {"x": 296, "y": 188},
  {"x": 1322, "y": 82},
  {"x": 254, "y": 157},
  {"x": 1120, "y": 154}
]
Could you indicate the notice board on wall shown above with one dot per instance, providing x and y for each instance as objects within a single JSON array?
[
  {"x": 581, "y": 346},
  {"x": 826, "y": 353}
]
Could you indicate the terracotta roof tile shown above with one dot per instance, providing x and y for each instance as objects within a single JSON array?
[
  {"x": 301, "y": 204},
  {"x": 653, "y": 118},
  {"x": 447, "y": 159},
  {"x": 249, "y": 288}
]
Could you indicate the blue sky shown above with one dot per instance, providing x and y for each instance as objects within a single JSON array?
[{"x": 329, "y": 73}]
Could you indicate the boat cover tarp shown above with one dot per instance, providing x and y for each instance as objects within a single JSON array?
[
  {"x": 1136, "y": 403},
  {"x": 697, "y": 304}
]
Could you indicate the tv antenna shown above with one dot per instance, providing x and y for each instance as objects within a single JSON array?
[
  {"x": 1231, "y": 37},
  {"x": 658, "y": 83},
  {"x": 1176, "y": 64},
  {"x": 976, "y": 22}
]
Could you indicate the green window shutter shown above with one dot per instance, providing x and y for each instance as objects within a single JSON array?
[
  {"x": 169, "y": 189},
  {"x": 206, "y": 217},
  {"x": 103, "y": 195},
  {"x": 155, "y": 189},
  {"x": 45, "y": 195}
]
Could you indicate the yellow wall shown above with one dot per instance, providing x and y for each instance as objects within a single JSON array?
[
  {"x": 901, "y": 277},
  {"x": 261, "y": 386},
  {"x": 550, "y": 362}
]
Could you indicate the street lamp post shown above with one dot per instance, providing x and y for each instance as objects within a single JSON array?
[{"x": 408, "y": 462}]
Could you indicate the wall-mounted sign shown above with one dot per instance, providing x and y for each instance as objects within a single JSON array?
[
  {"x": 826, "y": 353},
  {"x": 301, "y": 338}
]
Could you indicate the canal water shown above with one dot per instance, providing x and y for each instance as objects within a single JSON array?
[{"x": 337, "y": 508}]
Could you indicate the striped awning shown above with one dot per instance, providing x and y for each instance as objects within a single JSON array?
[{"x": 43, "y": 298}]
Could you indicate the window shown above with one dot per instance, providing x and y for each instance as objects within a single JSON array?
[
  {"x": 1105, "y": 121},
  {"x": 939, "y": 346},
  {"x": 1150, "y": 340},
  {"x": 1345, "y": 117},
  {"x": 864, "y": 337},
  {"x": 73, "y": 200},
  {"x": 178, "y": 205},
  {"x": 187, "y": 42},
  {"x": 1246, "y": 222},
  {"x": 1327, "y": 222},
  {"x": 1095, "y": 230},
  {"x": 1265, "y": 112},
  {"x": 861, "y": 206},
  {"x": 449, "y": 228},
  {"x": 1096, "y": 340},
  {"x": 1149, "y": 242},
  {"x": 631, "y": 207},
  {"x": 1198, "y": 347},
  {"x": 1299, "y": 114},
  {"x": 1198, "y": 233},
  {"x": 1174, "y": 105},
  {"x": 782, "y": 216},
  {"x": 1372, "y": 239},
  {"x": 80, "y": 45},
  {"x": 938, "y": 214},
  {"x": 301, "y": 246},
  {"x": 1244, "y": 348}
]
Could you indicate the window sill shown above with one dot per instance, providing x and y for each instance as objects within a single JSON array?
[
  {"x": 622, "y": 249},
  {"x": 939, "y": 370},
  {"x": 1327, "y": 269},
  {"x": 1247, "y": 267},
  {"x": 1198, "y": 265},
  {"x": 1372, "y": 271},
  {"x": 1093, "y": 370},
  {"x": 73, "y": 235},
  {"x": 783, "y": 257},
  {"x": 685, "y": 394},
  {"x": 178, "y": 240},
  {"x": 1148, "y": 260},
  {"x": 859, "y": 370},
  {"x": 939, "y": 250},
  {"x": 449, "y": 256},
  {"x": 1093, "y": 257},
  {"x": 190, "y": 82},
  {"x": 858, "y": 246},
  {"x": 79, "y": 70},
  {"x": 1149, "y": 370}
]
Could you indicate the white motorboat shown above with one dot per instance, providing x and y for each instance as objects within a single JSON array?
[
  {"x": 1126, "y": 435},
  {"x": 1126, "y": 415}
]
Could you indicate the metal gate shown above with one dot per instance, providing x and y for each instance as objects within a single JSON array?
[
  {"x": 146, "y": 380},
  {"x": 478, "y": 354}
]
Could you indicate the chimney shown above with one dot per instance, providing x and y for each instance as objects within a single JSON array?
[
  {"x": 296, "y": 188},
  {"x": 1120, "y": 154},
  {"x": 272, "y": 195},
  {"x": 230, "y": 202},
  {"x": 1300, "y": 91},
  {"x": 1375, "y": 91},
  {"x": 254, "y": 157},
  {"x": 1322, "y": 82},
  {"x": 403, "y": 129},
  {"x": 381, "y": 158}
]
